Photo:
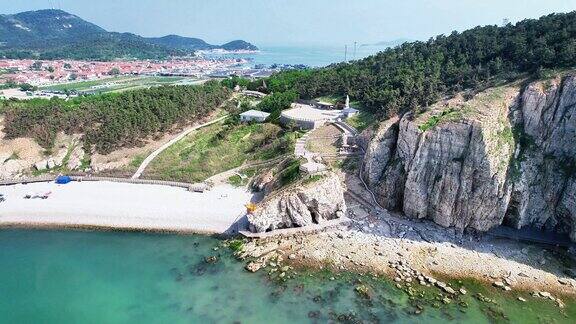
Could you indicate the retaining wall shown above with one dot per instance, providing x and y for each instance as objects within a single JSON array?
[{"x": 197, "y": 187}]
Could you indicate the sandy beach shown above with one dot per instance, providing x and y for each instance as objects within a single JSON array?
[{"x": 123, "y": 206}]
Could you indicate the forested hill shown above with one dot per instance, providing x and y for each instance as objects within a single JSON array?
[
  {"x": 192, "y": 44},
  {"x": 51, "y": 34},
  {"x": 419, "y": 73},
  {"x": 112, "y": 121}
]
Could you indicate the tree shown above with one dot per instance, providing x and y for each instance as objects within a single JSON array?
[
  {"x": 233, "y": 81},
  {"x": 111, "y": 121},
  {"x": 36, "y": 66},
  {"x": 414, "y": 75},
  {"x": 114, "y": 71},
  {"x": 28, "y": 87}
]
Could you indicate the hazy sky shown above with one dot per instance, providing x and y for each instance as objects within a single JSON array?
[{"x": 275, "y": 22}]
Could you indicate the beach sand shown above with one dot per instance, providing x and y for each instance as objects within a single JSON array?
[{"x": 123, "y": 206}]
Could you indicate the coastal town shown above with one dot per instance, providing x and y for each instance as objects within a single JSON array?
[
  {"x": 26, "y": 79},
  {"x": 42, "y": 73}
]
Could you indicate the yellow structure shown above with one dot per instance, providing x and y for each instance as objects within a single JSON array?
[{"x": 250, "y": 208}]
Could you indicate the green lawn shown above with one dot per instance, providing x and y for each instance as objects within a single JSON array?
[
  {"x": 122, "y": 83},
  {"x": 219, "y": 148},
  {"x": 362, "y": 120},
  {"x": 84, "y": 85}
]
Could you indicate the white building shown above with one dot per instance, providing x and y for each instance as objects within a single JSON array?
[
  {"x": 348, "y": 111},
  {"x": 254, "y": 115},
  {"x": 309, "y": 116}
]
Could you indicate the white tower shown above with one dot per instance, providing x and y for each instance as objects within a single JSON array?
[{"x": 347, "y": 102}]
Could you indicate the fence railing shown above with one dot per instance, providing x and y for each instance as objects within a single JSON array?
[{"x": 197, "y": 187}]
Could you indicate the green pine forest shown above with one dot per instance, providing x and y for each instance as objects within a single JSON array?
[
  {"x": 112, "y": 121},
  {"x": 415, "y": 75}
]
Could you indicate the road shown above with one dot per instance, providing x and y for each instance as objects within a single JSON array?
[{"x": 161, "y": 149}]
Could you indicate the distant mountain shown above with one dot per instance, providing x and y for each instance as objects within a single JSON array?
[
  {"x": 195, "y": 44},
  {"x": 181, "y": 43},
  {"x": 239, "y": 45},
  {"x": 33, "y": 28},
  {"x": 52, "y": 34}
]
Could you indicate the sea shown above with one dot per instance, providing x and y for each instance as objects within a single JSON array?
[
  {"x": 119, "y": 277},
  {"x": 312, "y": 56}
]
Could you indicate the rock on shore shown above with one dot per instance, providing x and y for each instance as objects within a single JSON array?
[
  {"x": 300, "y": 205},
  {"x": 508, "y": 154}
]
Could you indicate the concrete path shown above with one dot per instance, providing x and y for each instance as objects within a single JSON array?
[
  {"x": 346, "y": 128},
  {"x": 180, "y": 136},
  {"x": 300, "y": 146},
  {"x": 224, "y": 176}
]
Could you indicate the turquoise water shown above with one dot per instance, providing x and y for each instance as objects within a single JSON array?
[
  {"x": 93, "y": 277},
  {"x": 314, "y": 56}
]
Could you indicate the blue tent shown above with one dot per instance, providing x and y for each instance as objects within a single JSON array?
[{"x": 63, "y": 180}]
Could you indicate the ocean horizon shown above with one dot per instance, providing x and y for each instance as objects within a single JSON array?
[{"x": 310, "y": 55}]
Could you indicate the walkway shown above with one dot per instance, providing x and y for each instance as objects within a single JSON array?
[
  {"x": 300, "y": 147},
  {"x": 346, "y": 128},
  {"x": 180, "y": 136},
  {"x": 224, "y": 176}
]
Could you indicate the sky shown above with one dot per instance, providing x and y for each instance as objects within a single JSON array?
[{"x": 296, "y": 22}]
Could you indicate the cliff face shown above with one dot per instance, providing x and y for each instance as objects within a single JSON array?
[
  {"x": 544, "y": 191},
  {"x": 301, "y": 205},
  {"x": 507, "y": 155}
]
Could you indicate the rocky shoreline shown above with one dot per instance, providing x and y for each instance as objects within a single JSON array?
[
  {"x": 422, "y": 254},
  {"x": 407, "y": 263}
]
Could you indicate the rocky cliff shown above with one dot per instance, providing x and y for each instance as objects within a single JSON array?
[
  {"x": 23, "y": 157},
  {"x": 305, "y": 203},
  {"x": 507, "y": 155}
]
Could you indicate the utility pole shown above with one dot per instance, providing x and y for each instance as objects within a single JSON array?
[
  {"x": 345, "y": 53},
  {"x": 354, "y": 57}
]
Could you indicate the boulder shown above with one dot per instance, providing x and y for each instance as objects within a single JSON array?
[
  {"x": 300, "y": 205},
  {"x": 50, "y": 164},
  {"x": 58, "y": 159},
  {"x": 263, "y": 181},
  {"x": 75, "y": 159},
  {"x": 4, "y": 157},
  {"x": 12, "y": 169},
  {"x": 41, "y": 166}
]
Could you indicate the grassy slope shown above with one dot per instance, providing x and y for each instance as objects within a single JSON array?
[
  {"x": 219, "y": 148},
  {"x": 362, "y": 120}
]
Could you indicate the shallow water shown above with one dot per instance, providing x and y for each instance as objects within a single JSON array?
[
  {"x": 93, "y": 277},
  {"x": 314, "y": 56}
]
